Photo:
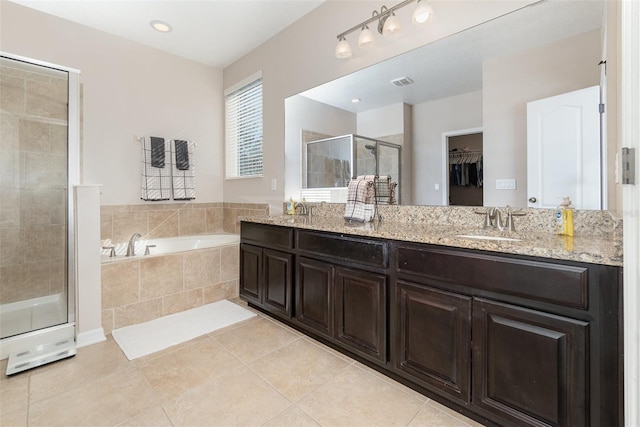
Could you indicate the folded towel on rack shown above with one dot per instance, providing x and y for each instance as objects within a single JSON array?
[
  {"x": 385, "y": 190},
  {"x": 182, "y": 155},
  {"x": 155, "y": 181},
  {"x": 360, "y": 204},
  {"x": 157, "y": 152}
]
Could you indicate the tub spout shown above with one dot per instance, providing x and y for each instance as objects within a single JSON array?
[{"x": 131, "y": 247}]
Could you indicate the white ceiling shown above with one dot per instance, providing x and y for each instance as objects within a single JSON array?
[
  {"x": 213, "y": 32},
  {"x": 453, "y": 66}
]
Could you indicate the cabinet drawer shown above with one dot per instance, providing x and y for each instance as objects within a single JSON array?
[
  {"x": 268, "y": 235},
  {"x": 361, "y": 251},
  {"x": 556, "y": 283}
]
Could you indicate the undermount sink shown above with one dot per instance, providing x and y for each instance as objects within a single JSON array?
[{"x": 481, "y": 237}]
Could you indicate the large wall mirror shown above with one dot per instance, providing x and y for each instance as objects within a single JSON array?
[{"x": 461, "y": 109}]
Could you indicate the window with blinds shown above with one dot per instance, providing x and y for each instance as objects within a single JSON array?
[{"x": 243, "y": 114}]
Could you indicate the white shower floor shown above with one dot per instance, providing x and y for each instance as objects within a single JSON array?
[{"x": 29, "y": 315}]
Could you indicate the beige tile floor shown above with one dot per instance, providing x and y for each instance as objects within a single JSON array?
[{"x": 255, "y": 373}]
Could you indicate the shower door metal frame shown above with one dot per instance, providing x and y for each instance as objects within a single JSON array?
[{"x": 73, "y": 179}]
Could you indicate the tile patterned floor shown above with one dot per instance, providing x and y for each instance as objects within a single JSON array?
[{"x": 255, "y": 373}]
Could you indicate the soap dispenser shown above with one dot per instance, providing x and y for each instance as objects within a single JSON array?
[
  {"x": 291, "y": 206},
  {"x": 564, "y": 218}
]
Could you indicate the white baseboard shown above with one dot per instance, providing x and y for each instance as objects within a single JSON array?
[{"x": 90, "y": 337}]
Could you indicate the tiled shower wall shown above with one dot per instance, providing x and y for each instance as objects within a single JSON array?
[
  {"x": 33, "y": 170},
  {"x": 143, "y": 289}
]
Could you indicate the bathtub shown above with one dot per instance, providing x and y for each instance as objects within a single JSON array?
[{"x": 170, "y": 245}]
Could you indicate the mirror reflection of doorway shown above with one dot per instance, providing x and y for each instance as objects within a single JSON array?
[{"x": 465, "y": 170}]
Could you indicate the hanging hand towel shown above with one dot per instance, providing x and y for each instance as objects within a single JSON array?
[
  {"x": 384, "y": 189},
  {"x": 157, "y": 152},
  {"x": 360, "y": 201},
  {"x": 155, "y": 180},
  {"x": 182, "y": 155},
  {"x": 183, "y": 170}
]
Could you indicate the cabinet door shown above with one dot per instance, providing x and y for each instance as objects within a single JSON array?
[
  {"x": 278, "y": 268},
  {"x": 360, "y": 311},
  {"x": 529, "y": 367},
  {"x": 434, "y": 334},
  {"x": 314, "y": 295},
  {"x": 251, "y": 273}
]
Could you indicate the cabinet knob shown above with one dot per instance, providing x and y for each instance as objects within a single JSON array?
[{"x": 532, "y": 200}]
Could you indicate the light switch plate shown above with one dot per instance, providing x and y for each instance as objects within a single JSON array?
[{"x": 505, "y": 184}]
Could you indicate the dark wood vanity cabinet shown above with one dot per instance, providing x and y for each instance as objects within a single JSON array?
[
  {"x": 508, "y": 340},
  {"x": 516, "y": 340},
  {"x": 433, "y": 339},
  {"x": 314, "y": 296},
  {"x": 266, "y": 274},
  {"x": 360, "y": 312},
  {"x": 341, "y": 293},
  {"x": 530, "y": 367},
  {"x": 251, "y": 273}
]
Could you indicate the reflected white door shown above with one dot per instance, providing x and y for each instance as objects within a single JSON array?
[{"x": 563, "y": 150}]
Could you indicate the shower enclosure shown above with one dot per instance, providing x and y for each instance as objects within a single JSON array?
[
  {"x": 332, "y": 162},
  {"x": 38, "y": 168}
]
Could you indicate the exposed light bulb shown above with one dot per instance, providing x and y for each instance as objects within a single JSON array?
[
  {"x": 366, "y": 37},
  {"x": 391, "y": 25},
  {"x": 343, "y": 50},
  {"x": 422, "y": 13}
]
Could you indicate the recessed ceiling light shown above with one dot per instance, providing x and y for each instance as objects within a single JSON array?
[
  {"x": 161, "y": 26},
  {"x": 355, "y": 100}
]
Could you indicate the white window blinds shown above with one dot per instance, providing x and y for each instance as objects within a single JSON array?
[{"x": 243, "y": 109}]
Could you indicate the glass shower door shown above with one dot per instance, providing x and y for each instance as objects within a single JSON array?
[{"x": 34, "y": 197}]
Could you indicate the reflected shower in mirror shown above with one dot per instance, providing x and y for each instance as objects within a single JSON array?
[{"x": 330, "y": 163}]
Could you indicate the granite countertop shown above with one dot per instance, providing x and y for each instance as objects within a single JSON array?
[{"x": 596, "y": 249}]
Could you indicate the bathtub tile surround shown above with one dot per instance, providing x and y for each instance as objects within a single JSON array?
[
  {"x": 138, "y": 290},
  {"x": 157, "y": 220},
  {"x": 160, "y": 276},
  {"x": 142, "y": 289}
]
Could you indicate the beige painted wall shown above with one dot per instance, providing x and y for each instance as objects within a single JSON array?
[
  {"x": 430, "y": 120},
  {"x": 508, "y": 84},
  {"x": 302, "y": 56},
  {"x": 128, "y": 89}
]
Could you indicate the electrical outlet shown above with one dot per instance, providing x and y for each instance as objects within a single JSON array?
[
  {"x": 436, "y": 187},
  {"x": 505, "y": 184},
  {"x": 274, "y": 184}
]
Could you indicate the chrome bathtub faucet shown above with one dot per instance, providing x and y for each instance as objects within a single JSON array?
[{"x": 131, "y": 247}]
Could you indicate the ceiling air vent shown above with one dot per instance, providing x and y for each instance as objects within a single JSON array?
[{"x": 402, "y": 81}]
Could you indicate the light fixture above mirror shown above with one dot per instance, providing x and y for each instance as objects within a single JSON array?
[{"x": 388, "y": 25}]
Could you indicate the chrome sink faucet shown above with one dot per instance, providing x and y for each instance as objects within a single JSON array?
[
  {"x": 496, "y": 218},
  {"x": 304, "y": 210},
  {"x": 493, "y": 219},
  {"x": 131, "y": 247}
]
